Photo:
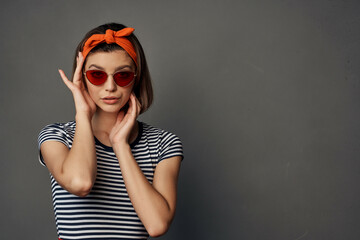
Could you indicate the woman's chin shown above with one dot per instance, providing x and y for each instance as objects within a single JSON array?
[{"x": 110, "y": 108}]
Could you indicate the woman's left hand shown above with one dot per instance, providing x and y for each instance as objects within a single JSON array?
[{"x": 125, "y": 122}]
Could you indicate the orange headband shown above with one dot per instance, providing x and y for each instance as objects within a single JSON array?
[{"x": 109, "y": 37}]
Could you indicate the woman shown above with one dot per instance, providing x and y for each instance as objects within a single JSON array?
[{"x": 112, "y": 177}]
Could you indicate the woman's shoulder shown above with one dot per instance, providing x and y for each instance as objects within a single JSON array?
[
  {"x": 156, "y": 131},
  {"x": 65, "y": 126},
  {"x": 163, "y": 137},
  {"x": 57, "y": 129},
  {"x": 169, "y": 143},
  {"x": 60, "y": 132}
]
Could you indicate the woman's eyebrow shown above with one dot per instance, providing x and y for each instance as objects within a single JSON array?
[
  {"x": 93, "y": 65},
  {"x": 122, "y": 67},
  {"x": 116, "y": 69}
]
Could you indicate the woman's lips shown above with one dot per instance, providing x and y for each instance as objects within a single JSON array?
[{"x": 110, "y": 100}]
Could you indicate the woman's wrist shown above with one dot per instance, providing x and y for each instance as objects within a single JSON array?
[
  {"x": 83, "y": 116},
  {"x": 121, "y": 149},
  {"x": 121, "y": 144}
]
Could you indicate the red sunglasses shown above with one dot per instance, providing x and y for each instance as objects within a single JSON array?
[{"x": 98, "y": 77}]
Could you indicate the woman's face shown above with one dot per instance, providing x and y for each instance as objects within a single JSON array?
[{"x": 109, "y": 96}]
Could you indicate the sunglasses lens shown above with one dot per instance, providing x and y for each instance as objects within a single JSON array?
[
  {"x": 123, "y": 78},
  {"x": 96, "y": 77}
]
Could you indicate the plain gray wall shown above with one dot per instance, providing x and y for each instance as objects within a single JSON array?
[{"x": 263, "y": 94}]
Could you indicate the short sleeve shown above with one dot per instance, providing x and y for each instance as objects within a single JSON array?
[
  {"x": 171, "y": 146},
  {"x": 52, "y": 132}
]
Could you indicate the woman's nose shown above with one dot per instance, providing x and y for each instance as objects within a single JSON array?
[{"x": 110, "y": 84}]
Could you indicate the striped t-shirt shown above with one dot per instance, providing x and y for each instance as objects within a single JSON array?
[{"x": 106, "y": 212}]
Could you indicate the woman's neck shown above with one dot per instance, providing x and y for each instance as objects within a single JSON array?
[{"x": 102, "y": 124}]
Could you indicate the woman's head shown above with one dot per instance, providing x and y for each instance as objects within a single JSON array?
[{"x": 142, "y": 86}]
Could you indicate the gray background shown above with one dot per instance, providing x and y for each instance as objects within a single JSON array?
[{"x": 263, "y": 94}]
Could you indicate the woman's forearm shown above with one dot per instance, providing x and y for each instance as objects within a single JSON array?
[
  {"x": 79, "y": 166},
  {"x": 151, "y": 207}
]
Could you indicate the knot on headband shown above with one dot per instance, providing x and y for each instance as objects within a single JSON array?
[
  {"x": 109, "y": 36},
  {"x": 118, "y": 37}
]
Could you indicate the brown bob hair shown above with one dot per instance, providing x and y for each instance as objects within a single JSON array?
[{"x": 142, "y": 87}]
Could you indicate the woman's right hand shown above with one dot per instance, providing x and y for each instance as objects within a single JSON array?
[{"x": 83, "y": 102}]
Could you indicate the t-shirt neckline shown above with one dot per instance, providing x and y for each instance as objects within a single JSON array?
[{"x": 132, "y": 145}]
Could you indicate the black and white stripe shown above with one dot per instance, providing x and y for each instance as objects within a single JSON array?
[{"x": 107, "y": 212}]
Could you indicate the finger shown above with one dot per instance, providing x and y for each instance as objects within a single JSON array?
[
  {"x": 67, "y": 82},
  {"x": 78, "y": 71},
  {"x": 129, "y": 110},
  {"x": 137, "y": 105},
  {"x": 79, "y": 63},
  {"x": 133, "y": 104},
  {"x": 138, "y": 109},
  {"x": 129, "y": 116},
  {"x": 119, "y": 121}
]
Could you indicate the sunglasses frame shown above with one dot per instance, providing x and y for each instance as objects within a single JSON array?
[{"x": 107, "y": 76}]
